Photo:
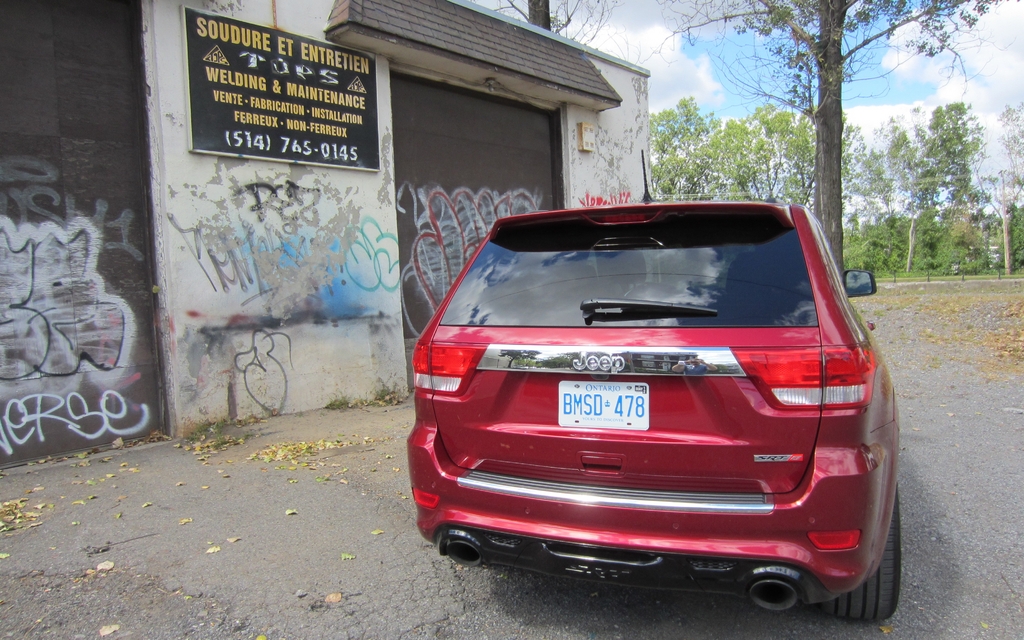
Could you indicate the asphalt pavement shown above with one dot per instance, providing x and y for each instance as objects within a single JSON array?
[{"x": 218, "y": 545}]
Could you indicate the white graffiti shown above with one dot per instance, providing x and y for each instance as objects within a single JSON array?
[
  {"x": 55, "y": 313},
  {"x": 25, "y": 418},
  {"x": 448, "y": 229},
  {"x": 34, "y": 197}
]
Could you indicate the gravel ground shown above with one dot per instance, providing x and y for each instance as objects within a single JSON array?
[{"x": 962, "y": 404}]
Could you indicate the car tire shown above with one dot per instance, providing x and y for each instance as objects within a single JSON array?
[{"x": 878, "y": 597}]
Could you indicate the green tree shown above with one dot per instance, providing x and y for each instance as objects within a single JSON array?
[
  {"x": 806, "y": 50},
  {"x": 682, "y": 163}
]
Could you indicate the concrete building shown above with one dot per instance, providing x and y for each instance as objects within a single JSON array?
[{"x": 251, "y": 207}]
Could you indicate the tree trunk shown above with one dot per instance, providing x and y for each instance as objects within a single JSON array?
[
  {"x": 910, "y": 243},
  {"x": 1007, "y": 255},
  {"x": 828, "y": 126},
  {"x": 540, "y": 13}
]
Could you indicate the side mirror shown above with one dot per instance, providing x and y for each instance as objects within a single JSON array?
[{"x": 859, "y": 283}]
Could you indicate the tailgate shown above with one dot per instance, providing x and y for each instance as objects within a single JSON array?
[{"x": 678, "y": 414}]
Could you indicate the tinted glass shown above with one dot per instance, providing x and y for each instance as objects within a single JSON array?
[{"x": 747, "y": 268}]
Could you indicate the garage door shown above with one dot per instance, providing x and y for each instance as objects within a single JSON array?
[
  {"x": 461, "y": 161},
  {"x": 77, "y": 365}
]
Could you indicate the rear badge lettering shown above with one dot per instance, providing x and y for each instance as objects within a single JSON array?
[
  {"x": 597, "y": 361},
  {"x": 794, "y": 457}
]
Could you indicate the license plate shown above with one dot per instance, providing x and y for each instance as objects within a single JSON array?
[{"x": 607, "y": 405}]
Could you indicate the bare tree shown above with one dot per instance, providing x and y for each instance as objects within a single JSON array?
[
  {"x": 580, "y": 20},
  {"x": 1011, "y": 179},
  {"x": 807, "y": 50}
]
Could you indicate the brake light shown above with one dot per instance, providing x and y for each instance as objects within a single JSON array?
[
  {"x": 786, "y": 377},
  {"x": 793, "y": 377},
  {"x": 835, "y": 540},
  {"x": 620, "y": 218},
  {"x": 442, "y": 367},
  {"x": 848, "y": 375}
]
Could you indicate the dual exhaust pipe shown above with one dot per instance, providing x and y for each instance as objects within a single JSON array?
[{"x": 773, "y": 591}]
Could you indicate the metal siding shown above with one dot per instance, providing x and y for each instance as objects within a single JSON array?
[
  {"x": 77, "y": 355},
  {"x": 461, "y": 162}
]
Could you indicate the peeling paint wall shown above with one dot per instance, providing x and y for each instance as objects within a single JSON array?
[
  {"x": 611, "y": 174},
  {"x": 279, "y": 283}
]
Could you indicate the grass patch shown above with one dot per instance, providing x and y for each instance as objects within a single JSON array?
[
  {"x": 211, "y": 437},
  {"x": 382, "y": 398}
]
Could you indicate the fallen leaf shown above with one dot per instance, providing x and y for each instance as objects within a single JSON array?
[
  {"x": 333, "y": 597},
  {"x": 90, "y": 482},
  {"x": 117, "y": 444},
  {"x": 233, "y": 540},
  {"x": 35, "y": 489},
  {"x": 291, "y": 512},
  {"x": 348, "y": 556},
  {"x": 185, "y": 521},
  {"x": 984, "y": 625},
  {"x": 950, "y": 414},
  {"x": 117, "y": 516},
  {"x": 75, "y": 523},
  {"x": 111, "y": 475},
  {"x": 91, "y": 498},
  {"x": 376, "y": 532},
  {"x": 105, "y": 566},
  {"x": 147, "y": 504},
  {"x": 225, "y": 476},
  {"x": 886, "y": 628},
  {"x": 78, "y": 502},
  {"x": 213, "y": 549},
  {"x": 180, "y": 484},
  {"x": 109, "y": 629},
  {"x": 124, "y": 464},
  {"x": 205, "y": 486},
  {"x": 4, "y": 556},
  {"x": 916, "y": 429},
  {"x": 261, "y": 637},
  {"x": 292, "y": 480}
]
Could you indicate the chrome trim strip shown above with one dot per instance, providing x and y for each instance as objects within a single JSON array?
[
  {"x": 638, "y": 361},
  {"x": 755, "y": 503}
]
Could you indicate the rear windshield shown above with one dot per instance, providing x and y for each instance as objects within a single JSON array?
[{"x": 749, "y": 270}]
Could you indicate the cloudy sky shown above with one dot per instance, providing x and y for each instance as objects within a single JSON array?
[{"x": 994, "y": 66}]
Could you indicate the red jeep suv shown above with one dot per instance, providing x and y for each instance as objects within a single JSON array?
[{"x": 664, "y": 395}]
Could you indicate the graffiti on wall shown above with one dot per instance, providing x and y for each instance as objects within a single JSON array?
[
  {"x": 622, "y": 197},
  {"x": 27, "y": 190},
  {"x": 447, "y": 228},
  {"x": 63, "y": 331},
  {"x": 28, "y": 418},
  {"x": 284, "y": 254},
  {"x": 263, "y": 374}
]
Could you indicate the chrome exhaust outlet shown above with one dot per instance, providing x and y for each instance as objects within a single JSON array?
[{"x": 773, "y": 594}]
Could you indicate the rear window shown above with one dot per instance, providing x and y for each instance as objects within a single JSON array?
[{"x": 748, "y": 269}]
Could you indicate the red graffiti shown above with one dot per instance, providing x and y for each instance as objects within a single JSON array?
[{"x": 621, "y": 197}]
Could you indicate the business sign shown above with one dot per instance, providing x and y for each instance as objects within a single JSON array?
[{"x": 263, "y": 93}]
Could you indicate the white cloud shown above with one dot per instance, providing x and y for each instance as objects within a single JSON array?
[{"x": 674, "y": 75}]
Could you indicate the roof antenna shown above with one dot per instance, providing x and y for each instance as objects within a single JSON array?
[{"x": 647, "y": 199}]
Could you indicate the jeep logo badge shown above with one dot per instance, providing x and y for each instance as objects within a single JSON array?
[{"x": 597, "y": 361}]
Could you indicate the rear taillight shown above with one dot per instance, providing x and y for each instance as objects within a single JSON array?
[
  {"x": 786, "y": 377},
  {"x": 792, "y": 378},
  {"x": 444, "y": 368},
  {"x": 848, "y": 375}
]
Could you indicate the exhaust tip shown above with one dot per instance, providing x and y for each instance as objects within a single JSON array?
[
  {"x": 464, "y": 553},
  {"x": 773, "y": 594}
]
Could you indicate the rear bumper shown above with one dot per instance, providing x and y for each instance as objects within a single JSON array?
[
  {"x": 847, "y": 487},
  {"x": 628, "y": 567}
]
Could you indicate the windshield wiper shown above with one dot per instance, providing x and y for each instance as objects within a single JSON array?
[{"x": 624, "y": 310}]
